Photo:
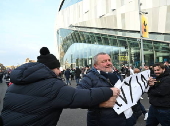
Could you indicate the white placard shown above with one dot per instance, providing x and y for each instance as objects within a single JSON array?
[{"x": 131, "y": 89}]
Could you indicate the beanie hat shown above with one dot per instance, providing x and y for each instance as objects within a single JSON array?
[{"x": 48, "y": 59}]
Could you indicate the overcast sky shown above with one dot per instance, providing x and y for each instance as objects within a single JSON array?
[{"x": 25, "y": 27}]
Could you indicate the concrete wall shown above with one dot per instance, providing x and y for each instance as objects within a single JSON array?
[{"x": 116, "y": 14}]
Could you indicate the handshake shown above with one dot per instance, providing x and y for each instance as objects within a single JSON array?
[{"x": 111, "y": 102}]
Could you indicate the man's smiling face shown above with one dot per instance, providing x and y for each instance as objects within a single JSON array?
[
  {"x": 104, "y": 63},
  {"x": 158, "y": 70}
]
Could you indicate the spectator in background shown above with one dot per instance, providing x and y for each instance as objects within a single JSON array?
[
  {"x": 167, "y": 66},
  {"x": 151, "y": 70},
  {"x": 72, "y": 74},
  {"x": 7, "y": 77},
  {"x": 123, "y": 71},
  {"x": 62, "y": 75},
  {"x": 140, "y": 68},
  {"x": 115, "y": 69},
  {"x": 146, "y": 67},
  {"x": 1, "y": 76},
  {"x": 127, "y": 71},
  {"x": 67, "y": 74},
  {"x": 82, "y": 72},
  {"x": 77, "y": 74},
  {"x": 117, "y": 73},
  {"x": 87, "y": 68}
]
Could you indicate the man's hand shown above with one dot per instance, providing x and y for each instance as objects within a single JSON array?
[
  {"x": 151, "y": 81},
  {"x": 116, "y": 92},
  {"x": 109, "y": 103}
]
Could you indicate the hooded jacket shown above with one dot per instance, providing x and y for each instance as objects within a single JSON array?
[{"x": 37, "y": 97}]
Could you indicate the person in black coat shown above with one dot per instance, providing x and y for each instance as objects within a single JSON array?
[
  {"x": 77, "y": 75},
  {"x": 7, "y": 78},
  {"x": 98, "y": 77},
  {"x": 1, "y": 76},
  {"x": 159, "y": 97},
  {"x": 37, "y": 97},
  {"x": 67, "y": 74}
]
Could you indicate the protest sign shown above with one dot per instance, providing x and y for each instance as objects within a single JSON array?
[{"x": 131, "y": 89}]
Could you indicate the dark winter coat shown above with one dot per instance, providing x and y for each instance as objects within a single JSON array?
[
  {"x": 77, "y": 73},
  {"x": 159, "y": 94},
  {"x": 37, "y": 97},
  {"x": 100, "y": 116},
  {"x": 1, "y": 75},
  {"x": 67, "y": 74}
]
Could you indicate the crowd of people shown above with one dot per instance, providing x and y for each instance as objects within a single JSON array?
[
  {"x": 5, "y": 76},
  {"x": 74, "y": 74},
  {"x": 41, "y": 91}
]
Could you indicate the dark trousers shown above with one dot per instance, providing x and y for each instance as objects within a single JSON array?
[
  {"x": 68, "y": 81},
  {"x": 77, "y": 79},
  {"x": 142, "y": 108},
  {"x": 105, "y": 117},
  {"x": 131, "y": 121},
  {"x": 1, "y": 121},
  {"x": 156, "y": 116},
  {"x": 72, "y": 77},
  {"x": 0, "y": 80}
]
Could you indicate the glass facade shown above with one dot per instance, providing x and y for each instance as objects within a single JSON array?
[{"x": 78, "y": 45}]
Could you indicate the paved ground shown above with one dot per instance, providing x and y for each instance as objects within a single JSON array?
[{"x": 75, "y": 117}]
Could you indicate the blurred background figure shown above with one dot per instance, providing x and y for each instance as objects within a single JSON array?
[
  {"x": 167, "y": 66},
  {"x": 72, "y": 74},
  {"x": 77, "y": 75},
  {"x": 82, "y": 71},
  {"x": 151, "y": 70},
  {"x": 123, "y": 71},
  {"x": 146, "y": 67},
  {"x": 67, "y": 76},
  {"x": 87, "y": 68},
  {"x": 1, "y": 76},
  {"x": 7, "y": 77}
]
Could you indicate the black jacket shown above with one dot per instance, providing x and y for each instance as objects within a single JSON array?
[
  {"x": 67, "y": 74},
  {"x": 77, "y": 73},
  {"x": 159, "y": 94},
  {"x": 37, "y": 97},
  {"x": 1, "y": 75},
  {"x": 100, "y": 116}
]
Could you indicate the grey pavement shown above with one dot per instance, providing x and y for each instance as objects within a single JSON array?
[{"x": 75, "y": 117}]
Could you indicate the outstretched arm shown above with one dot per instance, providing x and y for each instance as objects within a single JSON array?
[{"x": 69, "y": 97}]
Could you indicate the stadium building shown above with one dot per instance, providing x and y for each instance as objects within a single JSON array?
[{"x": 87, "y": 27}]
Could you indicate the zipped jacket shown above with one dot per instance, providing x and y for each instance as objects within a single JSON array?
[
  {"x": 159, "y": 94},
  {"x": 100, "y": 116}
]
